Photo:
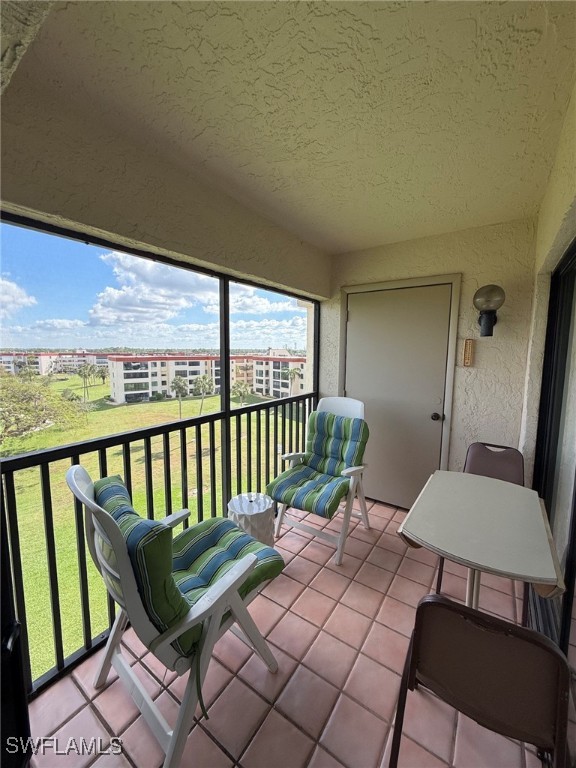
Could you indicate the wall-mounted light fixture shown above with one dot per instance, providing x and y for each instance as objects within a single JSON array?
[{"x": 488, "y": 301}]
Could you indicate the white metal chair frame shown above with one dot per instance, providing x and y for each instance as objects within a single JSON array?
[
  {"x": 350, "y": 408},
  {"x": 220, "y": 599}
]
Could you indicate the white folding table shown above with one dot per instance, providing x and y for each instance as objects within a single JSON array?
[{"x": 486, "y": 525}]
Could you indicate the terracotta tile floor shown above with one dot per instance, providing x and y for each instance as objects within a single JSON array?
[{"x": 340, "y": 636}]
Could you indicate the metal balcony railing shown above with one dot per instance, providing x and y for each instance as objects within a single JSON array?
[{"x": 197, "y": 463}]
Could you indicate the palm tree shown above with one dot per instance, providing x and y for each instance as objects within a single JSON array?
[
  {"x": 180, "y": 389},
  {"x": 240, "y": 390},
  {"x": 243, "y": 368},
  {"x": 84, "y": 372},
  {"x": 203, "y": 385},
  {"x": 93, "y": 372},
  {"x": 292, "y": 374},
  {"x": 102, "y": 373}
]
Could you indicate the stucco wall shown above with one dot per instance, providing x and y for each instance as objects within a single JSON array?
[
  {"x": 77, "y": 172},
  {"x": 557, "y": 214},
  {"x": 555, "y": 230},
  {"x": 487, "y": 396}
]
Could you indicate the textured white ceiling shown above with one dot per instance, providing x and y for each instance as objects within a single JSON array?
[{"x": 351, "y": 124}]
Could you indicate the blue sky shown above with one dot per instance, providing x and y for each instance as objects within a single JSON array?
[{"x": 56, "y": 292}]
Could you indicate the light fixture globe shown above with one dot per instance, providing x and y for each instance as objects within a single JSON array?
[{"x": 487, "y": 301}]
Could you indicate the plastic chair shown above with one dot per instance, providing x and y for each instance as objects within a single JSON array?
[
  {"x": 328, "y": 472},
  {"x": 507, "y": 678},
  {"x": 490, "y": 460},
  {"x": 180, "y": 595}
]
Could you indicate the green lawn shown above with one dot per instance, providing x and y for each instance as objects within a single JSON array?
[{"x": 105, "y": 419}]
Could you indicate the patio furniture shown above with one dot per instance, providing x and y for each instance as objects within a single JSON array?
[
  {"x": 507, "y": 678},
  {"x": 180, "y": 595},
  {"x": 490, "y": 460},
  {"x": 328, "y": 472},
  {"x": 254, "y": 513},
  {"x": 486, "y": 525}
]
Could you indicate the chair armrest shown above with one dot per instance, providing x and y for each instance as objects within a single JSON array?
[
  {"x": 353, "y": 471},
  {"x": 176, "y": 518},
  {"x": 293, "y": 457},
  {"x": 212, "y": 599}
]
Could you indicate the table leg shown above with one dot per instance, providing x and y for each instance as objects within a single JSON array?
[
  {"x": 472, "y": 588},
  {"x": 476, "y": 595}
]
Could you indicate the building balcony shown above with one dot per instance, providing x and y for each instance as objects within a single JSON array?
[{"x": 340, "y": 633}]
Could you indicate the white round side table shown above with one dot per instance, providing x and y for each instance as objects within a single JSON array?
[{"x": 254, "y": 513}]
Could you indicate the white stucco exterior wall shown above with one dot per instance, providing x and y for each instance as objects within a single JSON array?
[
  {"x": 488, "y": 396},
  {"x": 555, "y": 230},
  {"x": 557, "y": 216}
]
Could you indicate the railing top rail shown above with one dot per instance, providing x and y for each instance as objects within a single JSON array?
[{"x": 47, "y": 455}]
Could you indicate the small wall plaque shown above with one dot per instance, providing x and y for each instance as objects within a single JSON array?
[{"x": 468, "y": 356}]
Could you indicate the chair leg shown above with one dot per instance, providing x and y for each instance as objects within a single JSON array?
[
  {"x": 114, "y": 638},
  {"x": 525, "y": 599},
  {"x": 400, "y": 709},
  {"x": 246, "y": 623},
  {"x": 183, "y": 723},
  {"x": 363, "y": 507},
  {"x": 440, "y": 574},
  {"x": 344, "y": 530},
  {"x": 196, "y": 676},
  {"x": 280, "y": 517}
]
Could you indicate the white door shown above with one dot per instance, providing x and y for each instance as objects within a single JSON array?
[{"x": 399, "y": 352}]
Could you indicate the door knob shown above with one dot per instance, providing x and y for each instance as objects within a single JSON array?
[{"x": 435, "y": 417}]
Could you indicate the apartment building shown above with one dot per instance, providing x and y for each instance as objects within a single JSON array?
[
  {"x": 135, "y": 378},
  {"x": 279, "y": 375},
  {"x": 139, "y": 377},
  {"x": 44, "y": 363}
]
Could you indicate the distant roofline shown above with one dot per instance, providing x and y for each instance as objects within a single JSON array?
[{"x": 132, "y": 357}]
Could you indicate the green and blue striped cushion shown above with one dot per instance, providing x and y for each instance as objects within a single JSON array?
[
  {"x": 173, "y": 575},
  {"x": 334, "y": 443}
]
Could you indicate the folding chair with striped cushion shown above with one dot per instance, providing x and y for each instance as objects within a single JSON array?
[
  {"x": 179, "y": 594},
  {"x": 328, "y": 472}
]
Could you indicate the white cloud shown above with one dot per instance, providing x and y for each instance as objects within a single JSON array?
[
  {"x": 13, "y": 298},
  {"x": 150, "y": 305},
  {"x": 260, "y": 305},
  {"x": 149, "y": 292},
  {"x": 58, "y": 324},
  {"x": 136, "y": 304},
  {"x": 260, "y": 334},
  {"x": 134, "y": 270},
  {"x": 146, "y": 277}
]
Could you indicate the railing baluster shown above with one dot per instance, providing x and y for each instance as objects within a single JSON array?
[
  {"x": 258, "y": 416},
  {"x": 275, "y": 446},
  {"x": 267, "y": 444},
  {"x": 148, "y": 477},
  {"x": 184, "y": 472},
  {"x": 283, "y": 426},
  {"x": 167, "y": 473},
  {"x": 103, "y": 462},
  {"x": 127, "y": 464},
  {"x": 290, "y": 427},
  {"x": 16, "y": 562},
  {"x": 212, "y": 444},
  {"x": 249, "y": 450},
  {"x": 199, "y": 474},
  {"x": 52, "y": 567},
  {"x": 82, "y": 572},
  {"x": 238, "y": 454}
]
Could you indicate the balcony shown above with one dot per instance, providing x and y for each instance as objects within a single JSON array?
[{"x": 339, "y": 633}]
